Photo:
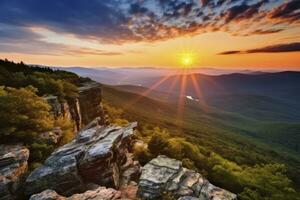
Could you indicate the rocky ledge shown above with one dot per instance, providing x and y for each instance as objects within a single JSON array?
[
  {"x": 100, "y": 193},
  {"x": 98, "y": 156},
  {"x": 165, "y": 175},
  {"x": 13, "y": 165},
  {"x": 160, "y": 176}
]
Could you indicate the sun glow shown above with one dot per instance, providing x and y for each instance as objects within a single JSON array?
[{"x": 187, "y": 60}]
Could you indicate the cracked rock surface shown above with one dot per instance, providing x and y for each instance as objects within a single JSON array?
[
  {"x": 95, "y": 156},
  {"x": 163, "y": 174},
  {"x": 13, "y": 165}
]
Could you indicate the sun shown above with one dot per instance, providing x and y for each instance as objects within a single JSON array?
[{"x": 187, "y": 60}]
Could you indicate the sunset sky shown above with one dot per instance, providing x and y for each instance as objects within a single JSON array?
[{"x": 243, "y": 34}]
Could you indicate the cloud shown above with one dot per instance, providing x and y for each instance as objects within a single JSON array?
[
  {"x": 289, "y": 12},
  {"x": 90, "y": 51},
  {"x": 278, "y": 48},
  {"x": 123, "y": 21},
  {"x": 269, "y": 31}
]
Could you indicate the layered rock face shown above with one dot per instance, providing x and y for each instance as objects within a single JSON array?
[
  {"x": 90, "y": 98},
  {"x": 13, "y": 165},
  {"x": 163, "y": 174},
  {"x": 98, "y": 155},
  {"x": 83, "y": 109}
]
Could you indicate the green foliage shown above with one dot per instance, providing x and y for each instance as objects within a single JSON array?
[
  {"x": 39, "y": 150},
  {"x": 168, "y": 196},
  {"x": 23, "y": 115},
  {"x": 47, "y": 81},
  {"x": 214, "y": 143},
  {"x": 67, "y": 127},
  {"x": 23, "y": 112},
  {"x": 158, "y": 143},
  {"x": 115, "y": 115}
]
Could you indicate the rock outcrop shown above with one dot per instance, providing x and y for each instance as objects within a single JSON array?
[
  {"x": 58, "y": 109},
  {"x": 13, "y": 165},
  {"x": 83, "y": 109},
  {"x": 100, "y": 193},
  {"x": 90, "y": 98},
  {"x": 163, "y": 174},
  {"x": 97, "y": 155}
]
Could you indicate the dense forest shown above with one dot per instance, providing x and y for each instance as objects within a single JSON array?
[
  {"x": 228, "y": 158},
  {"x": 24, "y": 112}
]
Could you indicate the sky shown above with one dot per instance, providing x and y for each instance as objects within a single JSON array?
[{"x": 235, "y": 34}]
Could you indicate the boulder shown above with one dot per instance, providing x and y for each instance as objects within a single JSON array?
[
  {"x": 13, "y": 165},
  {"x": 95, "y": 156},
  {"x": 100, "y": 193},
  {"x": 163, "y": 174}
]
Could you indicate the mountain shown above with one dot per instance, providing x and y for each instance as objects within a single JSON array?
[
  {"x": 281, "y": 83},
  {"x": 135, "y": 76}
]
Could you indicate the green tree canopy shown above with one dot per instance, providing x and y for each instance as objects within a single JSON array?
[{"x": 23, "y": 115}]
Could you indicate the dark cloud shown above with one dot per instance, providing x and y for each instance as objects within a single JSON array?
[
  {"x": 289, "y": 11},
  {"x": 243, "y": 11},
  {"x": 278, "y": 48},
  {"x": 263, "y": 32},
  {"x": 120, "y": 21},
  {"x": 229, "y": 52}
]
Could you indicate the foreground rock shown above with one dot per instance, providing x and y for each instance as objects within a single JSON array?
[
  {"x": 13, "y": 165},
  {"x": 96, "y": 156},
  {"x": 163, "y": 174},
  {"x": 100, "y": 193}
]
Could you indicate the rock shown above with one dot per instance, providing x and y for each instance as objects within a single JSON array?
[
  {"x": 188, "y": 198},
  {"x": 83, "y": 109},
  {"x": 163, "y": 174},
  {"x": 131, "y": 170},
  {"x": 52, "y": 137},
  {"x": 13, "y": 165},
  {"x": 95, "y": 156},
  {"x": 155, "y": 175},
  {"x": 47, "y": 195},
  {"x": 64, "y": 110},
  {"x": 75, "y": 111},
  {"x": 100, "y": 193},
  {"x": 90, "y": 98},
  {"x": 58, "y": 109}
]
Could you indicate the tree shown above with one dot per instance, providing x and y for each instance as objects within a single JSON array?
[
  {"x": 23, "y": 115},
  {"x": 158, "y": 142}
]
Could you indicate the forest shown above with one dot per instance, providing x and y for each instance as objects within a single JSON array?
[
  {"x": 24, "y": 112},
  {"x": 229, "y": 159}
]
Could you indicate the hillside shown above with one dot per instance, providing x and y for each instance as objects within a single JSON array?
[{"x": 237, "y": 138}]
